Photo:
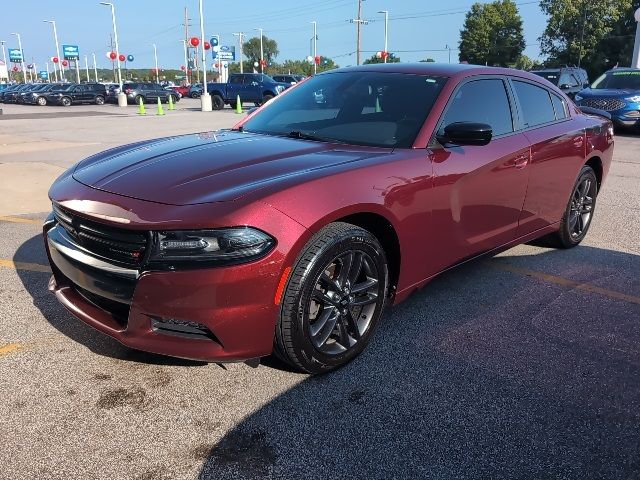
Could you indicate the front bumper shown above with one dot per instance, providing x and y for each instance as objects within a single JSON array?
[{"x": 221, "y": 313}]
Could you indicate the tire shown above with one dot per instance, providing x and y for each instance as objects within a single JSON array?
[
  {"x": 41, "y": 101},
  {"x": 217, "y": 102},
  {"x": 233, "y": 105},
  {"x": 320, "y": 315},
  {"x": 99, "y": 100},
  {"x": 266, "y": 98},
  {"x": 257, "y": 104},
  {"x": 574, "y": 226},
  {"x": 195, "y": 95},
  {"x": 137, "y": 99},
  {"x": 65, "y": 101},
  {"x": 173, "y": 99}
]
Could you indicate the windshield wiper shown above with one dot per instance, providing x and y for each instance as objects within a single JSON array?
[{"x": 310, "y": 136}]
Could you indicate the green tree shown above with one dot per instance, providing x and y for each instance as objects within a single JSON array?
[
  {"x": 492, "y": 34},
  {"x": 427, "y": 60},
  {"x": 523, "y": 62},
  {"x": 251, "y": 49},
  {"x": 578, "y": 30},
  {"x": 374, "y": 59}
]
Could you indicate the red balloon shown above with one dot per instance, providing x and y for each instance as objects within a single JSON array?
[
  {"x": 195, "y": 41},
  {"x": 113, "y": 55},
  {"x": 182, "y": 67},
  {"x": 122, "y": 58},
  {"x": 64, "y": 63},
  {"x": 55, "y": 60},
  {"x": 15, "y": 69},
  {"x": 207, "y": 45}
]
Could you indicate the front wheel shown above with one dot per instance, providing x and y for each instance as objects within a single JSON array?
[
  {"x": 266, "y": 98},
  {"x": 42, "y": 101},
  {"x": 66, "y": 101},
  {"x": 333, "y": 300}
]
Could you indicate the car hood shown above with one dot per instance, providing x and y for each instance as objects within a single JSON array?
[
  {"x": 607, "y": 93},
  {"x": 211, "y": 166}
]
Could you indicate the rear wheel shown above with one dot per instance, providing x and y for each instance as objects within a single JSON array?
[
  {"x": 577, "y": 217},
  {"x": 138, "y": 98},
  {"x": 42, "y": 101},
  {"x": 195, "y": 95},
  {"x": 99, "y": 100},
  {"x": 333, "y": 300},
  {"x": 217, "y": 102},
  {"x": 66, "y": 101}
]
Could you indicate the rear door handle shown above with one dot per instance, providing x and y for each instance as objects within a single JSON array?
[{"x": 521, "y": 161}]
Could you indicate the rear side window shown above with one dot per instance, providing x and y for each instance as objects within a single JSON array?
[
  {"x": 559, "y": 107},
  {"x": 535, "y": 103},
  {"x": 483, "y": 101}
]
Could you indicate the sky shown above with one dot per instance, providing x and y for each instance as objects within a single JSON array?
[{"x": 417, "y": 29}]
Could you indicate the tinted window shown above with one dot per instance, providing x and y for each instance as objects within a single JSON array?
[
  {"x": 568, "y": 79},
  {"x": 360, "y": 108},
  {"x": 535, "y": 104},
  {"x": 559, "y": 106},
  {"x": 552, "y": 75},
  {"x": 483, "y": 101},
  {"x": 619, "y": 80},
  {"x": 235, "y": 79}
]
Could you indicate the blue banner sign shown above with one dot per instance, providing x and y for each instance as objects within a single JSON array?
[
  {"x": 224, "y": 52},
  {"x": 15, "y": 55},
  {"x": 70, "y": 52},
  {"x": 43, "y": 74}
]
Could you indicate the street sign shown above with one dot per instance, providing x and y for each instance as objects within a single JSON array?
[
  {"x": 43, "y": 74},
  {"x": 70, "y": 52},
  {"x": 15, "y": 55},
  {"x": 224, "y": 52}
]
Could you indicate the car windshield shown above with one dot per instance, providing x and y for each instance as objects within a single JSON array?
[
  {"x": 553, "y": 77},
  {"x": 621, "y": 80},
  {"x": 359, "y": 108}
]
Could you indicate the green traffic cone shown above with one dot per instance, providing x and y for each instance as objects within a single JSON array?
[
  {"x": 160, "y": 110},
  {"x": 378, "y": 109},
  {"x": 171, "y": 107},
  {"x": 141, "y": 109},
  {"x": 238, "y": 105}
]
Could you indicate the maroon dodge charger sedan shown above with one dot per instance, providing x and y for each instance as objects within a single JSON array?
[{"x": 291, "y": 232}]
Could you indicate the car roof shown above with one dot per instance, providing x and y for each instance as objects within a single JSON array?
[{"x": 457, "y": 70}]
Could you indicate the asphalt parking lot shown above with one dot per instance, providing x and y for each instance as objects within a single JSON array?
[{"x": 526, "y": 365}]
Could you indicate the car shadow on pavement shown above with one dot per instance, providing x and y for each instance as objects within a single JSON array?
[{"x": 485, "y": 373}]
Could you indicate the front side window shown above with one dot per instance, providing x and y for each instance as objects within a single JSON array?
[
  {"x": 535, "y": 104},
  {"x": 359, "y": 108},
  {"x": 559, "y": 106},
  {"x": 567, "y": 80},
  {"x": 483, "y": 101}
]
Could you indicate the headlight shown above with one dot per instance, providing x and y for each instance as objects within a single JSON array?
[
  {"x": 223, "y": 246},
  {"x": 577, "y": 98},
  {"x": 634, "y": 99}
]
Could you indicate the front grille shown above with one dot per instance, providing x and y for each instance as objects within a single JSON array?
[
  {"x": 606, "y": 104},
  {"x": 115, "y": 245}
]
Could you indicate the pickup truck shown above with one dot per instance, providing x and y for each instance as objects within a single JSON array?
[{"x": 252, "y": 87}]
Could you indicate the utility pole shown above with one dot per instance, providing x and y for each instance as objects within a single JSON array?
[
  {"x": 584, "y": 20},
  {"x": 186, "y": 44},
  {"x": 359, "y": 21}
]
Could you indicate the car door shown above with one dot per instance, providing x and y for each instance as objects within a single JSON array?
[
  {"x": 557, "y": 153},
  {"x": 78, "y": 94},
  {"x": 252, "y": 87},
  {"x": 478, "y": 190},
  {"x": 235, "y": 87}
]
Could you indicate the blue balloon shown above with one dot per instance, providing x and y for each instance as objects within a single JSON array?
[
  {"x": 129, "y": 58},
  {"x": 214, "y": 41}
]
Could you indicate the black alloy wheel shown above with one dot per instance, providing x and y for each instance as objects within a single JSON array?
[{"x": 333, "y": 300}]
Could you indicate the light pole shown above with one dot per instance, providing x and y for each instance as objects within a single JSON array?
[
  {"x": 635, "y": 59},
  {"x": 95, "y": 66},
  {"x": 55, "y": 37},
  {"x": 86, "y": 68},
  {"x": 24, "y": 70},
  {"x": 386, "y": 29},
  {"x": 315, "y": 46},
  {"x": 122, "y": 98},
  {"x": 205, "y": 98},
  {"x": 155, "y": 58},
  {"x": 186, "y": 64},
  {"x": 4, "y": 57},
  {"x": 449, "y": 49},
  {"x": 261, "y": 51},
  {"x": 239, "y": 35},
  {"x": 48, "y": 75}
]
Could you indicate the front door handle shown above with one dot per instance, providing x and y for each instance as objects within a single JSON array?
[{"x": 577, "y": 141}]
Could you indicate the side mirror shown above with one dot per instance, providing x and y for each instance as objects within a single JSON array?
[{"x": 466, "y": 133}]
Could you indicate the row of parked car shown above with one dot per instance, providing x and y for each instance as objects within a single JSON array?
[
  {"x": 67, "y": 94},
  {"x": 616, "y": 91}
]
